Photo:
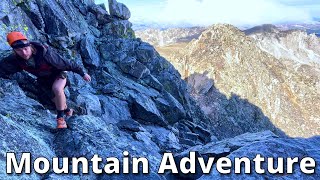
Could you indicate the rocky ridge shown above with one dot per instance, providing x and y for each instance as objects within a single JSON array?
[
  {"x": 226, "y": 59},
  {"x": 137, "y": 101}
]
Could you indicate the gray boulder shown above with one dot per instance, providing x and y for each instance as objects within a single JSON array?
[
  {"x": 114, "y": 109},
  {"x": 120, "y": 28},
  {"x": 83, "y": 5},
  {"x": 90, "y": 102},
  {"x": 101, "y": 14},
  {"x": 145, "y": 53},
  {"x": 130, "y": 125},
  {"x": 133, "y": 67},
  {"x": 119, "y": 10},
  {"x": 144, "y": 110},
  {"x": 107, "y": 51},
  {"x": 172, "y": 110},
  {"x": 60, "y": 20},
  {"x": 89, "y": 52},
  {"x": 91, "y": 19},
  {"x": 153, "y": 82},
  {"x": 164, "y": 138}
]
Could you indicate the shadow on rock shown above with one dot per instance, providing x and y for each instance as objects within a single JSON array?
[{"x": 230, "y": 116}]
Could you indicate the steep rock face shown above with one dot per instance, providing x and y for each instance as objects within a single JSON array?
[
  {"x": 224, "y": 58},
  {"x": 136, "y": 101},
  {"x": 166, "y": 37}
]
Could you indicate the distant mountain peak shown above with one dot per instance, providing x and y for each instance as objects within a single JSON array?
[
  {"x": 265, "y": 28},
  {"x": 224, "y": 28},
  {"x": 222, "y": 35}
]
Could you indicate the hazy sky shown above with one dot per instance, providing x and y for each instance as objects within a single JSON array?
[{"x": 208, "y": 12}]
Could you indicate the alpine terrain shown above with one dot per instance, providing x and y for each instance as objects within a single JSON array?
[
  {"x": 278, "y": 71},
  {"x": 225, "y": 95}
]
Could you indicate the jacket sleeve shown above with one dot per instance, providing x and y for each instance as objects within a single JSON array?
[
  {"x": 60, "y": 63},
  {"x": 8, "y": 67}
]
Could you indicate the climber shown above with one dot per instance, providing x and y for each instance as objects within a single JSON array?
[{"x": 46, "y": 65}]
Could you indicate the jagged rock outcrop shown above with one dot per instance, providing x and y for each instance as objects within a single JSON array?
[
  {"x": 119, "y": 10},
  {"x": 225, "y": 61},
  {"x": 136, "y": 102}
]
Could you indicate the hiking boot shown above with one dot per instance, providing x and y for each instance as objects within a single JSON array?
[
  {"x": 61, "y": 123},
  {"x": 69, "y": 113}
]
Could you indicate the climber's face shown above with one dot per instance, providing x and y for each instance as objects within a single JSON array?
[{"x": 24, "y": 52}]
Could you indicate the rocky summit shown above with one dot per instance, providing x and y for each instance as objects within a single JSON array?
[{"x": 138, "y": 103}]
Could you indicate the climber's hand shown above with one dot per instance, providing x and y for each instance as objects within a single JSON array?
[{"x": 87, "y": 78}]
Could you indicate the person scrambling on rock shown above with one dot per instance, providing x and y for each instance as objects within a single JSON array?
[{"x": 46, "y": 65}]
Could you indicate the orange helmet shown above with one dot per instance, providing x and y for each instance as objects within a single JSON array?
[{"x": 15, "y": 36}]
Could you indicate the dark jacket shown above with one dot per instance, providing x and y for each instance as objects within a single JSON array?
[{"x": 47, "y": 64}]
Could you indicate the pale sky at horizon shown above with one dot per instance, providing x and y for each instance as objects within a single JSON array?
[{"x": 208, "y": 12}]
